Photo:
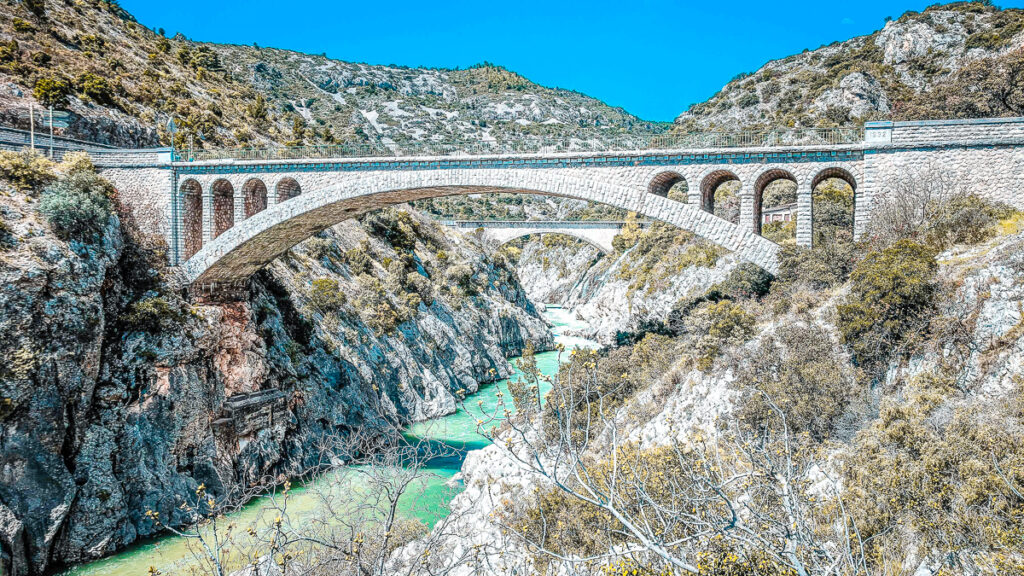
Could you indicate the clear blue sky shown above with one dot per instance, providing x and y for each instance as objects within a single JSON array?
[{"x": 652, "y": 57}]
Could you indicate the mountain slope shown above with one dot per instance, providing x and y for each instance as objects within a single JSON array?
[
  {"x": 954, "y": 60},
  {"x": 123, "y": 82}
]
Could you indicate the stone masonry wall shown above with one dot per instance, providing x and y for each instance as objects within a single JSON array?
[
  {"x": 147, "y": 192},
  {"x": 995, "y": 173}
]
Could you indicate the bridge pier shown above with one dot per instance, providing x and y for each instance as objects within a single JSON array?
[
  {"x": 748, "y": 217},
  {"x": 804, "y": 215},
  {"x": 207, "y": 214}
]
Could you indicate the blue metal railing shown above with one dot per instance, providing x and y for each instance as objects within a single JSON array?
[{"x": 542, "y": 145}]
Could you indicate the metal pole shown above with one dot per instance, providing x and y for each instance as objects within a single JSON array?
[
  {"x": 32, "y": 126},
  {"x": 51, "y": 132}
]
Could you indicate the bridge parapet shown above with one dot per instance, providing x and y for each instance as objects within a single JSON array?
[{"x": 796, "y": 137}]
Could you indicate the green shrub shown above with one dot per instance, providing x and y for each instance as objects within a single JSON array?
[
  {"x": 715, "y": 326},
  {"x": 825, "y": 266},
  {"x": 92, "y": 43},
  {"x": 890, "y": 297},
  {"x": 421, "y": 285},
  {"x": 629, "y": 235},
  {"x": 78, "y": 206},
  {"x": 95, "y": 88},
  {"x": 798, "y": 371},
  {"x": 9, "y": 51},
  {"x": 26, "y": 170},
  {"x": 397, "y": 227},
  {"x": 779, "y": 232},
  {"x": 326, "y": 296},
  {"x": 375, "y": 308},
  {"x": 700, "y": 255},
  {"x": 461, "y": 275},
  {"x": 75, "y": 162},
  {"x": 359, "y": 261},
  {"x": 939, "y": 474},
  {"x": 151, "y": 314},
  {"x": 965, "y": 219},
  {"x": 23, "y": 27},
  {"x": 52, "y": 91},
  {"x": 745, "y": 281}
]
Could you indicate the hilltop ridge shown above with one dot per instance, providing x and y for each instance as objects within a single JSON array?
[
  {"x": 958, "y": 60},
  {"x": 123, "y": 82}
]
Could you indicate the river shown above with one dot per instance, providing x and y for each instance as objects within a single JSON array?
[{"x": 171, "y": 554}]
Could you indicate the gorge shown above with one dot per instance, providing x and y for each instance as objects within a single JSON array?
[{"x": 239, "y": 338}]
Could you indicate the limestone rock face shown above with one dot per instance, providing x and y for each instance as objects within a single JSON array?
[
  {"x": 859, "y": 93},
  {"x": 611, "y": 293},
  {"x": 107, "y": 411},
  {"x": 549, "y": 274}
]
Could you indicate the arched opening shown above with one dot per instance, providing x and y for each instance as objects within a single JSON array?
[
  {"x": 833, "y": 201},
  {"x": 223, "y": 207},
  {"x": 718, "y": 192},
  {"x": 671, "y": 185},
  {"x": 255, "y": 194},
  {"x": 775, "y": 204},
  {"x": 265, "y": 239},
  {"x": 191, "y": 218},
  {"x": 287, "y": 189}
]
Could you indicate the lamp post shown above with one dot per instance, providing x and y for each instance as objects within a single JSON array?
[{"x": 172, "y": 129}]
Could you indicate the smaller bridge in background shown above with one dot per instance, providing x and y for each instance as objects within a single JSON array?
[{"x": 598, "y": 233}]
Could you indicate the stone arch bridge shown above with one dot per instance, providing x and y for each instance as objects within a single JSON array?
[
  {"x": 225, "y": 218},
  {"x": 598, "y": 233}
]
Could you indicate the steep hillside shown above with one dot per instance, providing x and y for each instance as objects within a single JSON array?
[
  {"x": 123, "y": 82},
  {"x": 832, "y": 421},
  {"x": 951, "y": 61}
]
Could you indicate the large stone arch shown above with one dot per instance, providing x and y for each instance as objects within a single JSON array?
[
  {"x": 664, "y": 181},
  {"x": 287, "y": 188},
  {"x": 191, "y": 202},
  {"x": 709, "y": 185},
  {"x": 839, "y": 173},
  {"x": 247, "y": 247}
]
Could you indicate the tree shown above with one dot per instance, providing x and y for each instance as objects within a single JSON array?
[
  {"x": 52, "y": 91},
  {"x": 629, "y": 235},
  {"x": 891, "y": 295},
  {"x": 725, "y": 497}
]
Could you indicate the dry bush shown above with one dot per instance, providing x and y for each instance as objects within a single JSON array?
[{"x": 799, "y": 369}]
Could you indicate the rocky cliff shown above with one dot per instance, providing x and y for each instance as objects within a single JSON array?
[
  {"x": 120, "y": 395},
  {"x": 959, "y": 60},
  {"x": 627, "y": 291}
]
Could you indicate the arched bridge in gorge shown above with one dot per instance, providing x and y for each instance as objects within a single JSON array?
[
  {"x": 598, "y": 233},
  {"x": 225, "y": 216}
]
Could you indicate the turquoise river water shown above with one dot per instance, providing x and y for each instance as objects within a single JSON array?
[{"x": 429, "y": 502}]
